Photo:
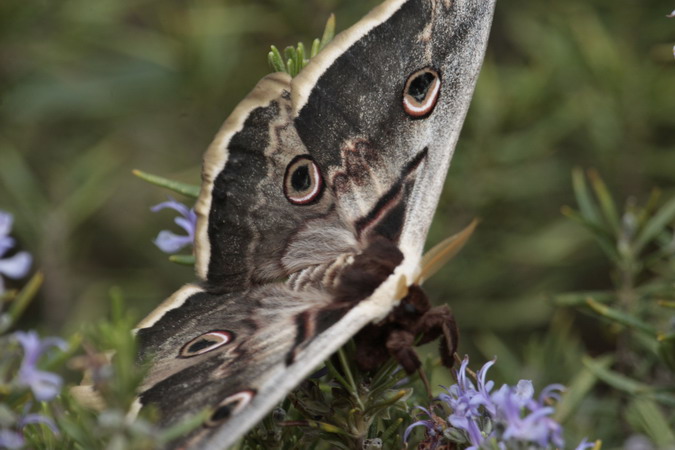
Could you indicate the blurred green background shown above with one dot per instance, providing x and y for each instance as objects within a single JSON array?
[{"x": 90, "y": 90}]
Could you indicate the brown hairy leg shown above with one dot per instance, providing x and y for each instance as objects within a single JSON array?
[{"x": 412, "y": 322}]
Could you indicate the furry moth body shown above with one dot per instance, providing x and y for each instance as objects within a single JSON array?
[{"x": 328, "y": 181}]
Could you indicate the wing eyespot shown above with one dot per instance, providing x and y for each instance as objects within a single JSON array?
[
  {"x": 303, "y": 183},
  {"x": 230, "y": 406},
  {"x": 421, "y": 92},
  {"x": 205, "y": 343}
]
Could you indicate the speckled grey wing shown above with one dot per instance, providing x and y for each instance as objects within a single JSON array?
[
  {"x": 248, "y": 231},
  {"x": 216, "y": 352},
  {"x": 245, "y": 222},
  {"x": 351, "y": 118}
]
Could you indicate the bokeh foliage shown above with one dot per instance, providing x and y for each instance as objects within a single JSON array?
[{"x": 91, "y": 90}]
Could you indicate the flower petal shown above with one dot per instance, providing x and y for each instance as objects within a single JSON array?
[
  {"x": 523, "y": 392},
  {"x": 10, "y": 439},
  {"x": 16, "y": 266},
  {"x": 30, "y": 341},
  {"x": 185, "y": 224},
  {"x": 45, "y": 385},
  {"x": 6, "y": 220},
  {"x": 169, "y": 242},
  {"x": 53, "y": 342},
  {"x": 584, "y": 444},
  {"x": 6, "y": 243},
  {"x": 552, "y": 391},
  {"x": 38, "y": 418},
  {"x": 172, "y": 204},
  {"x": 426, "y": 423}
]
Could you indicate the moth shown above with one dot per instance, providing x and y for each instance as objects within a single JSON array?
[{"x": 317, "y": 195}]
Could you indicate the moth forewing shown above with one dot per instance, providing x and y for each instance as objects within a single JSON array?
[{"x": 267, "y": 90}]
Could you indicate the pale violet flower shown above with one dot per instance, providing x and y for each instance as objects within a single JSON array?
[
  {"x": 170, "y": 242},
  {"x": 510, "y": 417},
  {"x": 29, "y": 419},
  {"x": 18, "y": 265},
  {"x": 468, "y": 402},
  {"x": 434, "y": 427},
  {"x": 45, "y": 385},
  {"x": 11, "y": 439},
  {"x": 526, "y": 420}
]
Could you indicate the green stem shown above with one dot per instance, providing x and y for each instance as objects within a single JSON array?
[{"x": 350, "y": 378}]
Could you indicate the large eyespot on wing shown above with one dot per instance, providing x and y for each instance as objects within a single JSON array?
[
  {"x": 230, "y": 406},
  {"x": 303, "y": 183},
  {"x": 421, "y": 92},
  {"x": 205, "y": 343}
]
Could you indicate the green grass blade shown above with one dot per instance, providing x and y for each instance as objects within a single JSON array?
[
  {"x": 657, "y": 224},
  {"x": 606, "y": 201},
  {"x": 275, "y": 60},
  {"x": 315, "y": 48},
  {"x": 189, "y": 190},
  {"x": 620, "y": 317},
  {"x": 578, "y": 390},
  {"x": 626, "y": 384},
  {"x": 579, "y": 298},
  {"x": 185, "y": 260},
  {"x": 648, "y": 417},
  {"x": 666, "y": 349},
  {"x": 328, "y": 32},
  {"x": 24, "y": 297},
  {"x": 587, "y": 206}
]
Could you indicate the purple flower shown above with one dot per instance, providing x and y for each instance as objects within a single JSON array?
[
  {"x": 583, "y": 445},
  {"x": 45, "y": 385},
  {"x": 434, "y": 428},
  {"x": 524, "y": 419},
  {"x": 508, "y": 418},
  {"x": 168, "y": 241},
  {"x": 470, "y": 405},
  {"x": 16, "y": 266},
  {"x": 38, "y": 418},
  {"x": 11, "y": 439}
]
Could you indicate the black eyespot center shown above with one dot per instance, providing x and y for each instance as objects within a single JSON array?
[
  {"x": 419, "y": 86},
  {"x": 200, "y": 345},
  {"x": 301, "y": 179},
  {"x": 222, "y": 413}
]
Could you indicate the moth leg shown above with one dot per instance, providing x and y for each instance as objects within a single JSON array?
[
  {"x": 430, "y": 323},
  {"x": 440, "y": 322},
  {"x": 395, "y": 336},
  {"x": 400, "y": 345}
]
